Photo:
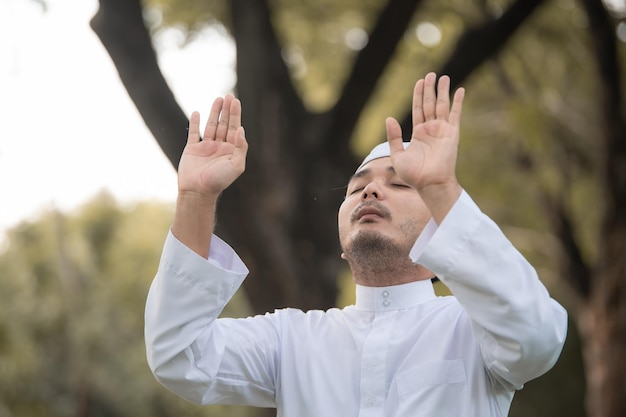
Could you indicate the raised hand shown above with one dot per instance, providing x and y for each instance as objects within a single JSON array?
[
  {"x": 429, "y": 162},
  {"x": 210, "y": 164},
  {"x": 207, "y": 167},
  {"x": 431, "y": 156}
]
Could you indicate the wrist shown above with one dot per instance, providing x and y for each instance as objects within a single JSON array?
[
  {"x": 196, "y": 197},
  {"x": 194, "y": 220},
  {"x": 440, "y": 197}
]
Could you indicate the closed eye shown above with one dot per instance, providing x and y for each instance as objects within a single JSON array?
[{"x": 401, "y": 185}]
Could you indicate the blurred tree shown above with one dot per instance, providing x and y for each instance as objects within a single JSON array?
[
  {"x": 71, "y": 315},
  {"x": 546, "y": 101},
  {"x": 284, "y": 215}
]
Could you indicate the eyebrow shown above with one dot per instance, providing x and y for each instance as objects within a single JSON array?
[{"x": 366, "y": 171}]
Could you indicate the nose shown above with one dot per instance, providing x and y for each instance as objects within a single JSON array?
[{"x": 372, "y": 191}]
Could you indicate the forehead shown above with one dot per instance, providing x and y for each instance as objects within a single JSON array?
[{"x": 379, "y": 166}]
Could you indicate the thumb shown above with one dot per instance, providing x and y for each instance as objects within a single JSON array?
[
  {"x": 394, "y": 135},
  {"x": 193, "y": 134}
]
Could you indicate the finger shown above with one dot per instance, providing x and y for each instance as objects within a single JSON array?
[
  {"x": 240, "y": 139},
  {"x": 457, "y": 107},
  {"x": 222, "y": 126},
  {"x": 442, "y": 109},
  {"x": 241, "y": 148},
  {"x": 418, "y": 98},
  {"x": 214, "y": 117},
  {"x": 430, "y": 100},
  {"x": 394, "y": 135},
  {"x": 193, "y": 134},
  {"x": 234, "y": 122}
]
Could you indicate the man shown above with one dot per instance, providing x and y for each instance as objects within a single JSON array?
[{"x": 400, "y": 350}]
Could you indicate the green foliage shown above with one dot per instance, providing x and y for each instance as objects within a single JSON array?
[
  {"x": 530, "y": 130},
  {"x": 72, "y": 296}
]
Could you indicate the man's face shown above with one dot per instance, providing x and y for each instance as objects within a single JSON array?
[{"x": 380, "y": 206}]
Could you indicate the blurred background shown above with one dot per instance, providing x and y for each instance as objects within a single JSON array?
[{"x": 94, "y": 100}]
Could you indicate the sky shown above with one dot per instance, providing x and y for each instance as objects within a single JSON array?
[{"x": 67, "y": 126}]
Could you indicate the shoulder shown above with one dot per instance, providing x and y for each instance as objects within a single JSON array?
[{"x": 446, "y": 309}]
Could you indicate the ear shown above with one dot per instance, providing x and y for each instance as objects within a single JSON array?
[{"x": 343, "y": 256}]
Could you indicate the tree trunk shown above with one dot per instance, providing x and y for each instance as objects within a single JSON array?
[
  {"x": 603, "y": 330},
  {"x": 279, "y": 213},
  {"x": 603, "y": 316}
]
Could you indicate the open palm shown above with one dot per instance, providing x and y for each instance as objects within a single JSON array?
[
  {"x": 210, "y": 164},
  {"x": 431, "y": 156}
]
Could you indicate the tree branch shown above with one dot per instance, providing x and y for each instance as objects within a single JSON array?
[
  {"x": 368, "y": 67},
  {"x": 479, "y": 44},
  {"x": 264, "y": 83},
  {"x": 576, "y": 270},
  {"x": 119, "y": 25}
]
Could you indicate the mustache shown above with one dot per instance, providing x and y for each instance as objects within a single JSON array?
[{"x": 384, "y": 212}]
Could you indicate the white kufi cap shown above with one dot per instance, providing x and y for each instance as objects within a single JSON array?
[{"x": 380, "y": 151}]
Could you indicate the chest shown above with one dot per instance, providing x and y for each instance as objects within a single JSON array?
[{"x": 376, "y": 363}]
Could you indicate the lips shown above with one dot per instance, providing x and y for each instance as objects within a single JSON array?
[{"x": 370, "y": 209}]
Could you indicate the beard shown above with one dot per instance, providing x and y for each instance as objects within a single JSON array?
[{"x": 376, "y": 255}]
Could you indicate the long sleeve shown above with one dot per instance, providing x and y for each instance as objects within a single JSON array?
[
  {"x": 188, "y": 349},
  {"x": 519, "y": 328}
]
